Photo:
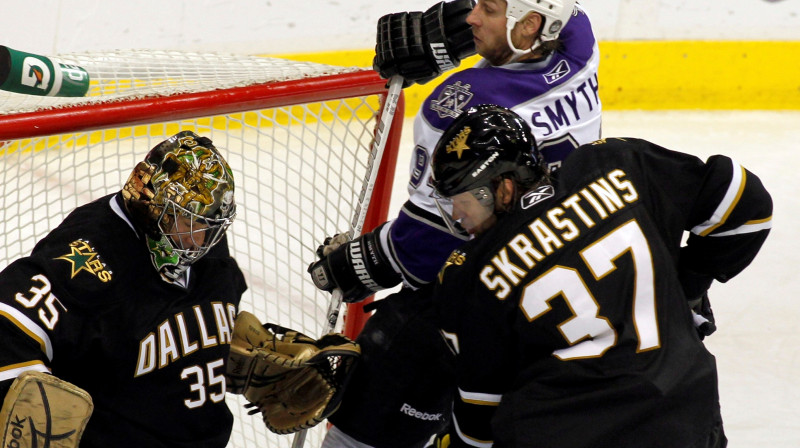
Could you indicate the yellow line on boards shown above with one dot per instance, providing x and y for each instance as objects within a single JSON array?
[{"x": 663, "y": 75}]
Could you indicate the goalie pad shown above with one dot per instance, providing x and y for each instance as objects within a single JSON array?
[
  {"x": 295, "y": 381},
  {"x": 41, "y": 410}
]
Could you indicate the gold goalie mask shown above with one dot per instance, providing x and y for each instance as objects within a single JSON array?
[{"x": 295, "y": 381}]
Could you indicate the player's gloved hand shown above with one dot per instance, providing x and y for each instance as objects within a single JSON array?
[
  {"x": 419, "y": 46},
  {"x": 295, "y": 381},
  {"x": 332, "y": 243},
  {"x": 703, "y": 316},
  {"x": 358, "y": 267}
]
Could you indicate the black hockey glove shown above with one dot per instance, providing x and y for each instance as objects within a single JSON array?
[
  {"x": 358, "y": 267},
  {"x": 420, "y": 46},
  {"x": 695, "y": 286},
  {"x": 704, "y": 321}
]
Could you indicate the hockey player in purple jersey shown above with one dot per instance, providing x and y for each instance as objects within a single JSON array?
[
  {"x": 568, "y": 311},
  {"x": 127, "y": 307},
  {"x": 540, "y": 58}
]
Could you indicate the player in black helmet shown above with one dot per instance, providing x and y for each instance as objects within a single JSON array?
[
  {"x": 568, "y": 309},
  {"x": 130, "y": 300},
  {"x": 539, "y": 57},
  {"x": 510, "y": 153}
]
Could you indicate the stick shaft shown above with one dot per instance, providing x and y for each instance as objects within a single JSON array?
[{"x": 378, "y": 146}]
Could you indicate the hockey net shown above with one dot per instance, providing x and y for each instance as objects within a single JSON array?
[{"x": 297, "y": 135}]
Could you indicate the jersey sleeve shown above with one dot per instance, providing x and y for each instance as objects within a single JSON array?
[
  {"x": 29, "y": 314},
  {"x": 729, "y": 223},
  {"x": 725, "y": 208},
  {"x": 478, "y": 329}
]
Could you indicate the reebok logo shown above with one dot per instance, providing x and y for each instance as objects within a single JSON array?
[
  {"x": 534, "y": 197},
  {"x": 559, "y": 71},
  {"x": 360, "y": 268},
  {"x": 411, "y": 412}
]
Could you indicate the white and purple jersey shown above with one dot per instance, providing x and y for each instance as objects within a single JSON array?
[{"x": 557, "y": 96}]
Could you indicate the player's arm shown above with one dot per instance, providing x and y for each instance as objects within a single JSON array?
[
  {"x": 728, "y": 224},
  {"x": 359, "y": 267},
  {"x": 724, "y": 207},
  {"x": 475, "y": 324},
  {"x": 410, "y": 249},
  {"x": 419, "y": 46}
]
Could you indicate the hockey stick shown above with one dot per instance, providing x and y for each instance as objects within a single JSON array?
[{"x": 357, "y": 225}]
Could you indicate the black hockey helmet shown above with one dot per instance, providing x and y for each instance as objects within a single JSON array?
[{"x": 482, "y": 144}]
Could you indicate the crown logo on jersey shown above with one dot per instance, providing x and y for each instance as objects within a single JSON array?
[
  {"x": 84, "y": 258},
  {"x": 459, "y": 142},
  {"x": 452, "y": 100}
]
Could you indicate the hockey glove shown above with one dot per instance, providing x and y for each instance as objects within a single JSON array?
[
  {"x": 358, "y": 267},
  {"x": 420, "y": 46},
  {"x": 295, "y": 381},
  {"x": 695, "y": 285},
  {"x": 703, "y": 316}
]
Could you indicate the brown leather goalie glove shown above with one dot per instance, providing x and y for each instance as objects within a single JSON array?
[{"x": 295, "y": 381}]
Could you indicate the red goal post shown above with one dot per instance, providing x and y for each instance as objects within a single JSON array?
[{"x": 297, "y": 135}]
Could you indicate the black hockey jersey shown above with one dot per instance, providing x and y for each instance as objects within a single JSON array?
[
  {"x": 570, "y": 316},
  {"x": 88, "y": 306}
]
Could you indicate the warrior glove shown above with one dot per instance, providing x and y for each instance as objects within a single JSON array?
[
  {"x": 358, "y": 267},
  {"x": 295, "y": 381},
  {"x": 420, "y": 46}
]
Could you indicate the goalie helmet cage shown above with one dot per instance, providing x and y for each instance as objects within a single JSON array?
[{"x": 297, "y": 135}]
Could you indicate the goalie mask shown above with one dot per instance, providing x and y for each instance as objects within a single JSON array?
[
  {"x": 482, "y": 145},
  {"x": 555, "y": 15},
  {"x": 181, "y": 196}
]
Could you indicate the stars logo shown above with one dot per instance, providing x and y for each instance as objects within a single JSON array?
[
  {"x": 84, "y": 258},
  {"x": 456, "y": 258},
  {"x": 459, "y": 142}
]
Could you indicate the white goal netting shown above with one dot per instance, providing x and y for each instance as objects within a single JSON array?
[{"x": 297, "y": 136}]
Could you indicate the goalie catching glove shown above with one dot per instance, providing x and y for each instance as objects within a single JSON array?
[
  {"x": 419, "y": 46},
  {"x": 358, "y": 267},
  {"x": 295, "y": 381}
]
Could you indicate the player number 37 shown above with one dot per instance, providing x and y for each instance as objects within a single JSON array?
[{"x": 588, "y": 333}]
